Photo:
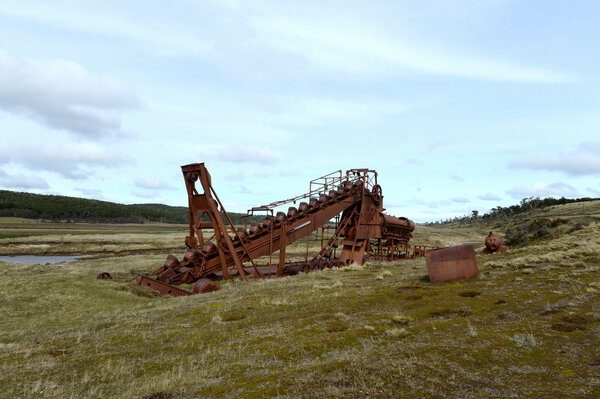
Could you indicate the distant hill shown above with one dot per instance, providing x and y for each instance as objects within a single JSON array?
[
  {"x": 533, "y": 219},
  {"x": 526, "y": 206},
  {"x": 73, "y": 209}
]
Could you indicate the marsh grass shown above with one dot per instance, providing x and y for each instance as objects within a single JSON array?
[{"x": 352, "y": 332}]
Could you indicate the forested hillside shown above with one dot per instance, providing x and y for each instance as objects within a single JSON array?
[{"x": 73, "y": 209}]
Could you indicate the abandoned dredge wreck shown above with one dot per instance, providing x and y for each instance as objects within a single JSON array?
[{"x": 353, "y": 199}]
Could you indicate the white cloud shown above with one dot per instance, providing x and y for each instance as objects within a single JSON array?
[
  {"x": 314, "y": 111},
  {"x": 413, "y": 161},
  {"x": 542, "y": 189},
  {"x": 155, "y": 35},
  {"x": 437, "y": 144},
  {"x": 581, "y": 160},
  {"x": 357, "y": 48},
  {"x": 244, "y": 190},
  {"x": 593, "y": 191},
  {"x": 151, "y": 183},
  {"x": 237, "y": 176},
  {"x": 145, "y": 194},
  {"x": 22, "y": 181},
  {"x": 461, "y": 200},
  {"x": 242, "y": 153},
  {"x": 73, "y": 160},
  {"x": 488, "y": 197},
  {"x": 92, "y": 193},
  {"x": 274, "y": 37},
  {"x": 61, "y": 94}
]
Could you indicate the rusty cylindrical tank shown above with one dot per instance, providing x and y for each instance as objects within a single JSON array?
[
  {"x": 393, "y": 223},
  {"x": 451, "y": 263}
]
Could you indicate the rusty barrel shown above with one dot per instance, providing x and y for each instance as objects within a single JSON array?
[
  {"x": 346, "y": 185},
  {"x": 254, "y": 229},
  {"x": 292, "y": 212},
  {"x": 303, "y": 207},
  {"x": 451, "y": 263},
  {"x": 268, "y": 222},
  {"x": 191, "y": 255},
  {"x": 324, "y": 198},
  {"x": 241, "y": 234},
  {"x": 208, "y": 247},
  {"x": 280, "y": 217}
]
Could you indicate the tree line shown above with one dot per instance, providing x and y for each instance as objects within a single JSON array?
[{"x": 58, "y": 208}]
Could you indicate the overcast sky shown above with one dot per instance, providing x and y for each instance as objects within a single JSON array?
[{"x": 459, "y": 105}]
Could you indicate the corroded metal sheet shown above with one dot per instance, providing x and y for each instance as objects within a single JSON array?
[{"x": 451, "y": 263}]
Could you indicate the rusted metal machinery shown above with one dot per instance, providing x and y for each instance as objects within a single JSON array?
[
  {"x": 494, "y": 243},
  {"x": 362, "y": 231}
]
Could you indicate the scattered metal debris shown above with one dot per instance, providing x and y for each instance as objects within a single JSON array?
[
  {"x": 205, "y": 285},
  {"x": 361, "y": 231}
]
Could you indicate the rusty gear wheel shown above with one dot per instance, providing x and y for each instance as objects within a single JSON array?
[{"x": 376, "y": 192}]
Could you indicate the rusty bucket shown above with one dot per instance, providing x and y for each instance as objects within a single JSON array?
[{"x": 451, "y": 263}]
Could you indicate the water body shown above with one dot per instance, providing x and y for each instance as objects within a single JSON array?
[{"x": 40, "y": 260}]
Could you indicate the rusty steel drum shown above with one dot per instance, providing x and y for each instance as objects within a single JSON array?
[{"x": 451, "y": 263}]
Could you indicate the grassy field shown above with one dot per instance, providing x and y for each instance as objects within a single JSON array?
[{"x": 527, "y": 327}]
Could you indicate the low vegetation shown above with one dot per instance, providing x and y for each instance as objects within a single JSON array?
[{"x": 526, "y": 327}]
